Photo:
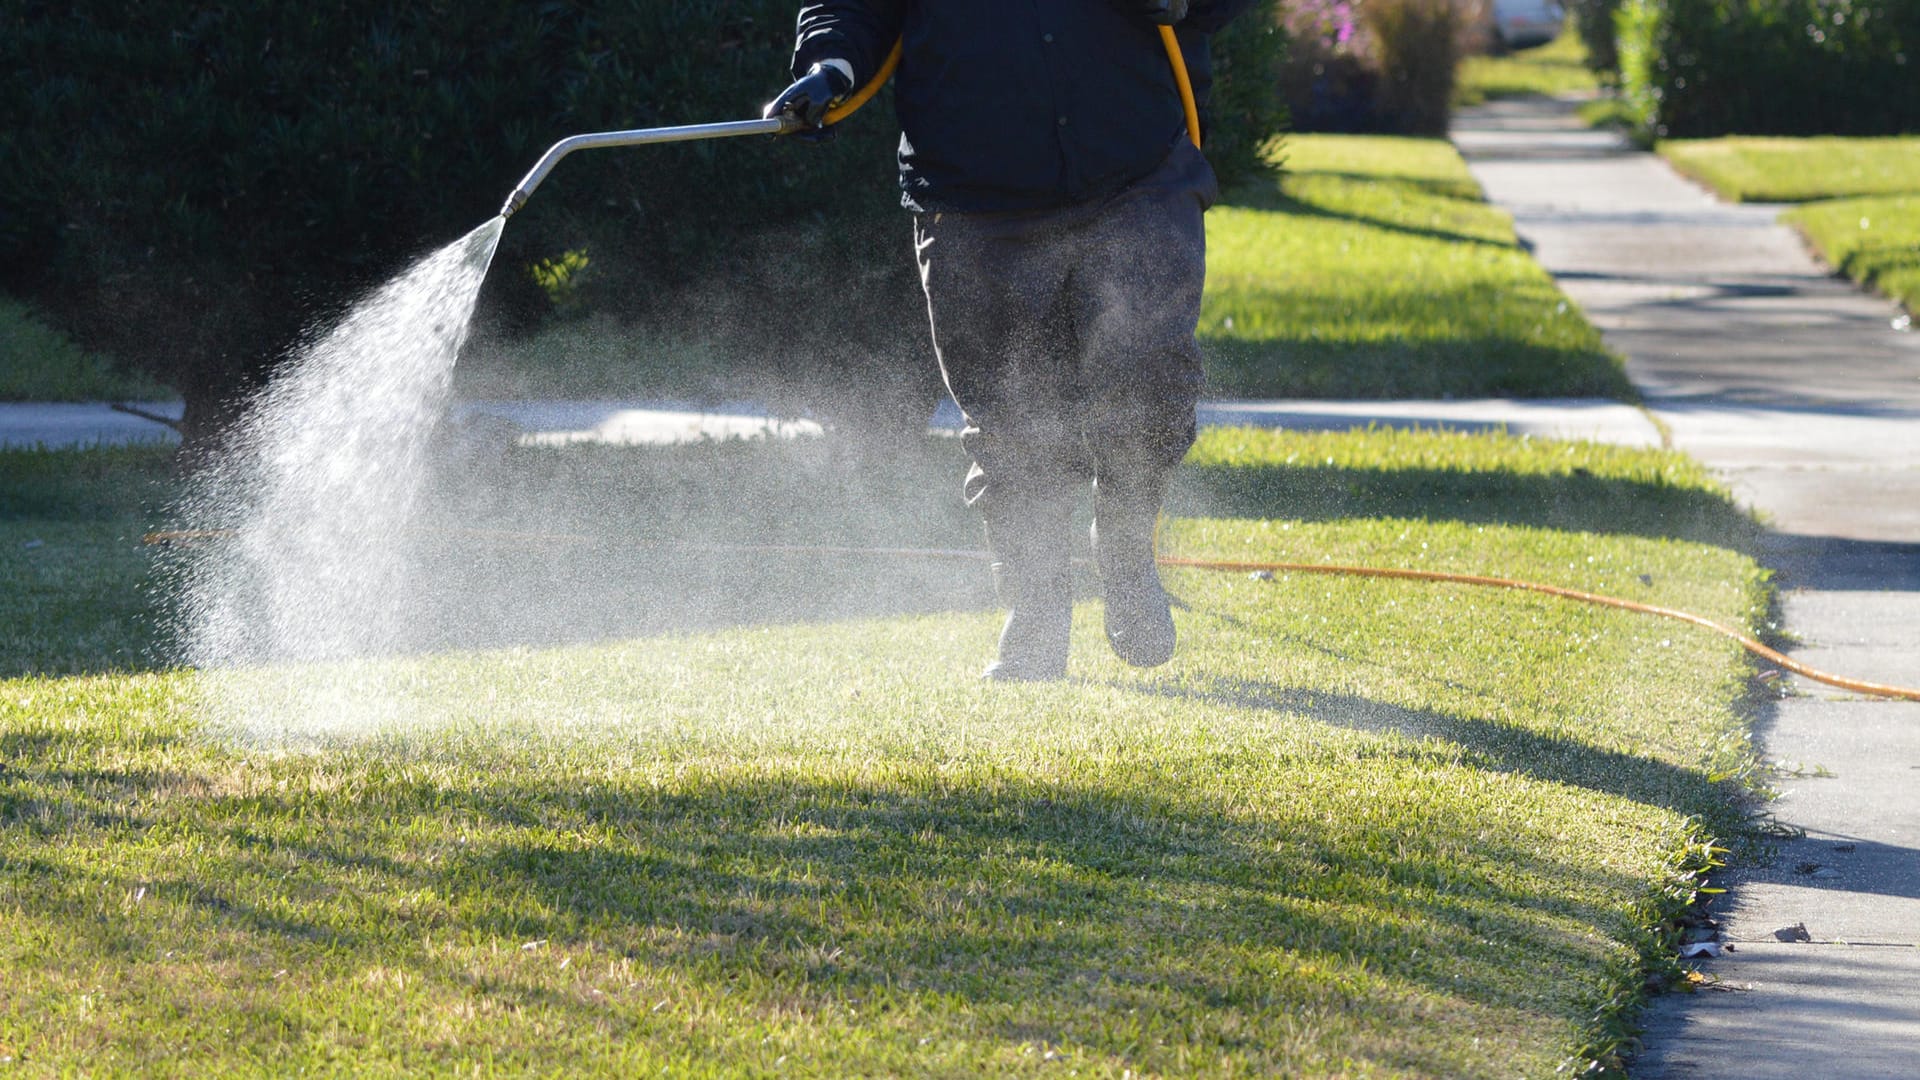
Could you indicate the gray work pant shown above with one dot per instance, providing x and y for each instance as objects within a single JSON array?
[{"x": 1067, "y": 337}]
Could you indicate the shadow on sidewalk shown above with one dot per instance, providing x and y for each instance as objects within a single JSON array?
[{"x": 1835, "y": 565}]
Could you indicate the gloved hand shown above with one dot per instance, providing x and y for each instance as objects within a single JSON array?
[
  {"x": 1164, "y": 12},
  {"x": 811, "y": 94}
]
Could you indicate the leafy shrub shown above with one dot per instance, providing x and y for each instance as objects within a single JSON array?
[
  {"x": 1594, "y": 21},
  {"x": 1247, "y": 109},
  {"x": 1419, "y": 46},
  {"x": 190, "y": 184},
  {"x": 1376, "y": 65},
  {"x": 1329, "y": 77},
  {"x": 1693, "y": 68}
]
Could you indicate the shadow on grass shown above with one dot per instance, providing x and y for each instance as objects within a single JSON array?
[
  {"x": 1491, "y": 745},
  {"x": 1274, "y": 198},
  {"x": 1039, "y": 911},
  {"x": 1585, "y": 503},
  {"x": 1482, "y": 365}
]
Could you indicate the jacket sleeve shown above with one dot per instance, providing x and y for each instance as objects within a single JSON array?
[
  {"x": 1208, "y": 16},
  {"x": 857, "y": 31}
]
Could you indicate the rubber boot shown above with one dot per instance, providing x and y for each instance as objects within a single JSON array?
[
  {"x": 1138, "y": 616},
  {"x": 1033, "y": 573}
]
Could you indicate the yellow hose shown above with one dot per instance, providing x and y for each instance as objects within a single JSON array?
[
  {"x": 865, "y": 94},
  {"x": 892, "y": 63},
  {"x": 1180, "y": 77}
]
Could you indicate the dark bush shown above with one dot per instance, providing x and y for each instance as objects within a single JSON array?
[
  {"x": 191, "y": 184},
  {"x": 1594, "y": 20},
  {"x": 1376, "y": 65},
  {"x": 1695, "y": 68},
  {"x": 1249, "y": 61},
  {"x": 1419, "y": 43}
]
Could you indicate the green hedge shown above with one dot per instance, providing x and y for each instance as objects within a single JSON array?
[
  {"x": 1594, "y": 21},
  {"x": 1693, "y": 68},
  {"x": 191, "y": 184},
  {"x": 1248, "y": 109}
]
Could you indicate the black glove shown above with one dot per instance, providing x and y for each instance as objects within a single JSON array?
[
  {"x": 811, "y": 94},
  {"x": 1164, "y": 12}
]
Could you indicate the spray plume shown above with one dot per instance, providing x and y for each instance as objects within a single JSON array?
[{"x": 315, "y": 491}]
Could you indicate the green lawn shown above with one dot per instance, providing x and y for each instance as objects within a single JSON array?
[
  {"x": 1558, "y": 67},
  {"x": 1756, "y": 169},
  {"x": 1357, "y": 828},
  {"x": 38, "y": 363},
  {"x": 1875, "y": 241},
  {"x": 1374, "y": 268},
  {"x": 1862, "y": 196},
  {"x": 628, "y": 806}
]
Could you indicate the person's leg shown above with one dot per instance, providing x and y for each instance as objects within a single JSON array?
[
  {"x": 993, "y": 286},
  {"x": 1138, "y": 301}
]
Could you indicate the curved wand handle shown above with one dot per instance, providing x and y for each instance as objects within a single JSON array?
[{"x": 773, "y": 125}]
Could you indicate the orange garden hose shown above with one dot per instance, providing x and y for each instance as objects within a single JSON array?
[
  {"x": 1180, "y": 562},
  {"x": 1756, "y": 648}
]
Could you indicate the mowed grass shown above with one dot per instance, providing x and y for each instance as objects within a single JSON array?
[
  {"x": 1875, "y": 241},
  {"x": 1558, "y": 67},
  {"x": 1862, "y": 196},
  {"x": 1374, "y": 269},
  {"x": 38, "y": 363},
  {"x": 74, "y": 576},
  {"x": 1779, "y": 169},
  {"x": 1358, "y": 828}
]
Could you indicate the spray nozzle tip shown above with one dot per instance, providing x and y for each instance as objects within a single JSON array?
[{"x": 514, "y": 202}]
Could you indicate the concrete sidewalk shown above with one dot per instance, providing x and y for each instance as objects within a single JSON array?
[
  {"x": 64, "y": 426},
  {"x": 541, "y": 423},
  {"x": 1798, "y": 389},
  {"x": 628, "y": 423}
]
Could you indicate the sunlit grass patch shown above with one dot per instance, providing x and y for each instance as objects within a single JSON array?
[
  {"x": 1862, "y": 196},
  {"x": 1375, "y": 269},
  {"x": 1748, "y": 168},
  {"x": 1558, "y": 67}
]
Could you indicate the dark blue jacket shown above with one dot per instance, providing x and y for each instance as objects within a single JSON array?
[{"x": 1019, "y": 104}]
